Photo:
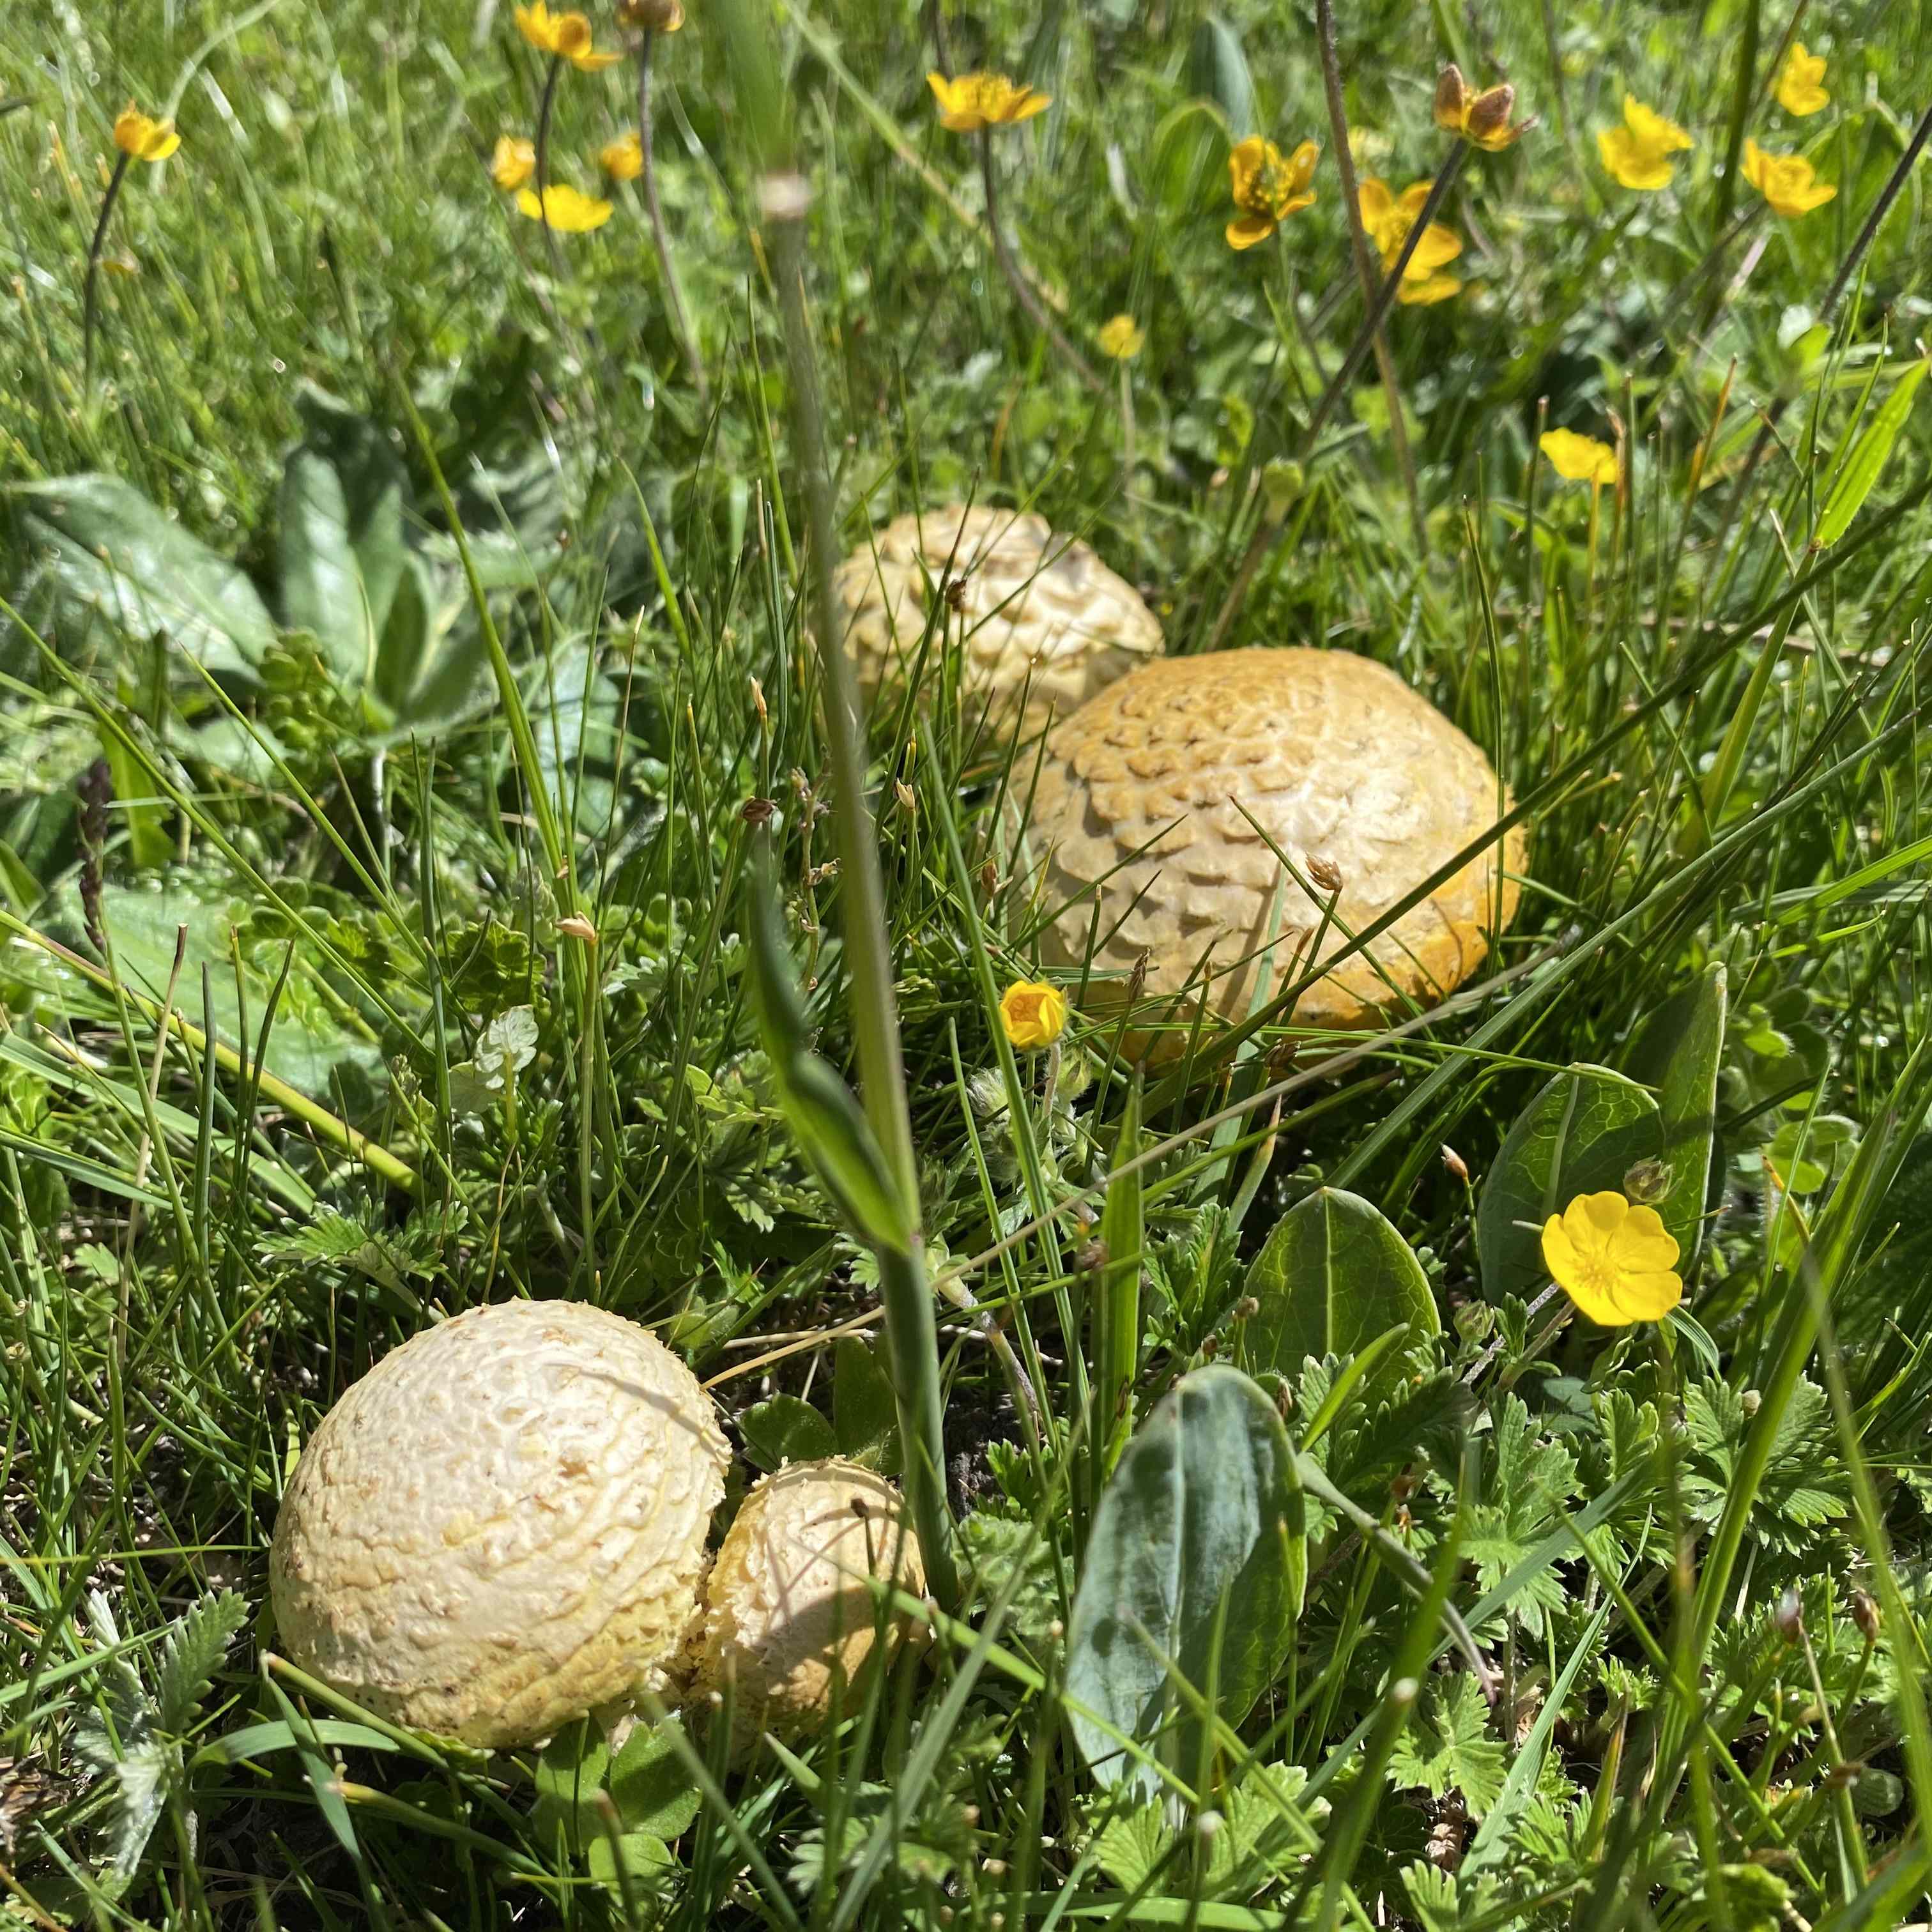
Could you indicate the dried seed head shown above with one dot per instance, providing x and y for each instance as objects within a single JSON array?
[
  {"x": 1325, "y": 873},
  {"x": 576, "y": 926},
  {"x": 1864, "y": 1614},
  {"x": 756, "y": 811}
]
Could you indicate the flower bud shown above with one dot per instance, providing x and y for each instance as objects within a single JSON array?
[
  {"x": 654, "y": 16},
  {"x": 1648, "y": 1182},
  {"x": 1452, "y": 98},
  {"x": 1788, "y": 1619},
  {"x": 1864, "y": 1614},
  {"x": 1325, "y": 873}
]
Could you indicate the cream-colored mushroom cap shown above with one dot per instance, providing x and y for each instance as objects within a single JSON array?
[
  {"x": 1166, "y": 796},
  {"x": 503, "y": 1525},
  {"x": 1040, "y": 622},
  {"x": 790, "y": 1609}
]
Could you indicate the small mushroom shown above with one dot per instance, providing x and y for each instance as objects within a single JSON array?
[
  {"x": 503, "y": 1525},
  {"x": 1167, "y": 796},
  {"x": 790, "y": 1609},
  {"x": 1041, "y": 624}
]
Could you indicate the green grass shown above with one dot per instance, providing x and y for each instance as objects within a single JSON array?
[{"x": 1693, "y": 1560}]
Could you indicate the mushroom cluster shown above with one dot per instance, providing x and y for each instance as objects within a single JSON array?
[
  {"x": 503, "y": 1527},
  {"x": 1165, "y": 807},
  {"x": 1041, "y": 623}
]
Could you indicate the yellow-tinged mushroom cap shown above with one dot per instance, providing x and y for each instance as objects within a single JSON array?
[
  {"x": 793, "y": 1618},
  {"x": 502, "y": 1525},
  {"x": 1168, "y": 797},
  {"x": 1039, "y": 622}
]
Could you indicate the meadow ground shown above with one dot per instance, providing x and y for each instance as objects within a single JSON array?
[{"x": 432, "y": 875}]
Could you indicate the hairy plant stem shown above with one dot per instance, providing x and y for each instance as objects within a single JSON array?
[
  {"x": 681, "y": 320},
  {"x": 1035, "y": 310},
  {"x": 1268, "y": 529},
  {"x": 91, "y": 290},
  {"x": 912, "y": 1335},
  {"x": 540, "y": 149},
  {"x": 1365, "y": 271}
]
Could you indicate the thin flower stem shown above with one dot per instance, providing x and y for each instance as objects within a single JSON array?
[
  {"x": 541, "y": 150},
  {"x": 1035, "y": 310},
  {"x": 90, "y": 293},
  {"x": 1351, "y": 207},
  {"x": 674, "y": 288},
  {"x": 1267, "y": 531}
]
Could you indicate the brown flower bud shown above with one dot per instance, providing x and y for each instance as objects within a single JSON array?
[
  {"x": 654, "y": 16},
  {"x": 1452, "y": 98},
  {"x": 1455, "y": 1163},
  {"x": 755, "y": 812},
  {"x": 1864, "y": 1614},
  {"x": 903, "y": 793},
  {"x": 1487, "y": 120},
  {"x": 1788, "y": 1619},
  {"x": 1648, "y": 1181},
  {"x": 576, "y": 926},
  {"x": 1325, "y": 873},
  {"x": 758, "y": 701}
]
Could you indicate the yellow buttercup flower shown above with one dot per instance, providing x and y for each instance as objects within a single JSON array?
[
  {"x": 1033, "y": 1013},
  {"x": 973, "y": 101},
  {"x": 565, "y": 209},
  {"x": 142, "y": 137},
  {"x": 513, "y": 163},
  {"x": 1582, "y": 459},
  {"x": 1387, "y": 218},
  {"x": 1798, "y": 91},
  {"x": 1785, "y": 181},
  {"x": 566, "y": 35},
  {"x": 1122, "y": 338},
  {"x": 1617, "y": 1263},
  {"x": 623, "y": 159},
  {"x": 1268, "y": 187},
  {"x": 1638, "y": 153},
  {"x": 1483, "y": 117}
]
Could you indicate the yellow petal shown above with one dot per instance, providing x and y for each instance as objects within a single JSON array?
[
  {"x": 566, "y": 209},
  {"x": 623, "y": 159},
  {"x": 1580, "y": 459},
  {"x": 1027, "y": 104},
  {"x": 1798, "y": 91},
  {"x": 1632, "y": 164},
  {"x": 1430, "y": 289},
  {"x": 1373, "y": 200},
  {"x": 1250, "y": 229},
  {"x": 512, "y": 164},
  {"x": 1646, "y": 1297},
  {"x": 1649, "y": 129}
]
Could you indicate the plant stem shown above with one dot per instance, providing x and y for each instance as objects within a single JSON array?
[
  {"x": 673, "y": 288},
  {"x": 541, "y": 151},
  {"x": 1345, "y": 165},
  {"x": 912, "y": 1335},
  {"x": 1266, "y": 532},
  {"x": 1035, "y": 308},
  {"x": 1742, "y": 91},
  {"x": 91, "y": 290}
]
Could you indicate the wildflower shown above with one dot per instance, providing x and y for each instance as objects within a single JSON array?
[
  {"x": 1122, "y": 338},
  {"x": 513, "y": 163},
  {"x": 565, "y": 209},
  {"x": 977, "y": 100},
  {"x": 1580, "y": 459},
  {"x": 1638, "y": 153},
  {"x": 1387, "y": 219},
  {"x": 142, "y": 138},
  {"x": 1268, "y": 187},
  {"x": 567, "y": 36},
  {"x": 1483, "y": 118},
  {"x": 654, "y": 16},
  {"x": 1033, "y": 1013},
  {"x": 1617, "y": 1263},
  {"x": 623, "y": 159},
  {"x": 1798, "y": 91},
  {"x": 1785, "y": 181}
]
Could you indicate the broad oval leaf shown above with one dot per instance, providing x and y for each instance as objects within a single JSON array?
[
  {"x": 1584, "y": 1133},
  {"x": 1332, "y": 1276},
  {"x": 113, "y": 552},
  {"x": 1192, "y": 1569}
]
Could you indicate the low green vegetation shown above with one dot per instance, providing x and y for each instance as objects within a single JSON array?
[{"x": 1462, "y": 1473}]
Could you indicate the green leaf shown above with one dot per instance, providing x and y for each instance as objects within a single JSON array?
[
  {"x": 865, "y": 1411},
  {"x": 1869, "y": 455},
  {"x": 1446, "y": 1746},
  {"x": 782, "y": 1429},
  {"x": 343, "y": 547},
  {"x": 1116, "y": 1298},
  {"x": 196, "y": 1643},
  {"x": 650, "y": 1785},
  {"x": 646, "y": 1859},
  {"x": 1217, "y": 70},
  {"x": 1189, "y": 1572},
  {"x": 1582, "y": 1134},
  {"x": 1332, "y": 1277},
  {"x": 113, "y": 552},
  {"x": 1679, "y": 1051}
]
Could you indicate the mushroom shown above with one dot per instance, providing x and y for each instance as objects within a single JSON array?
[
  {"x": 1042, "y": 624},
  {"x": 502, "y": 1525},
  {"x": 791, "y": 1622},
  {"x": 1166, "y": 799}
]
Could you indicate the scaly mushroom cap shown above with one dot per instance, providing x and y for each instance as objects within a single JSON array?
[
  {"x": 1041, "y": 623},
  {"x": 790, "y": 1608},
  {"x": 1164, "y": 791},
  {"x": 503, "y": 1525}
]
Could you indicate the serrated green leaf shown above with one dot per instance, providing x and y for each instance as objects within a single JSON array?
[
  {"x": 1446, "y": 1746},
  {"x": 196, "y": 1643}
]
